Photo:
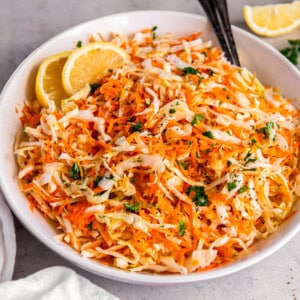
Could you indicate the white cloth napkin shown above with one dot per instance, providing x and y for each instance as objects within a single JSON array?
[
  {"x": 55, "y": 283},
  {"x": 7, "y": 242}
]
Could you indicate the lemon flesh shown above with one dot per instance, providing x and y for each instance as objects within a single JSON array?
[
  {"x": 90, "y": 63},
  {"x": 273, "y": 20},
  {"x": 48, "y": 84}
]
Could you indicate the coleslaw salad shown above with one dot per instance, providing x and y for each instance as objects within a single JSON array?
[{"x": 175, "y": 163}]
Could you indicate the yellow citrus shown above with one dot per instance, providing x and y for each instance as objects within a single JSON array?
[
  {"x": 89, "y": 63},
  {"x": 48, "y": 83},
  {"x": 273, "y": 20}
]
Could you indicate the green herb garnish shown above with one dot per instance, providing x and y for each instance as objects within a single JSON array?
[
  {"x": 97, "y": 180},
  {"x": 132, "y": 207},
  {"x": 100, "y": 194},
  {"x": 198, "y": 194},
  {"x": 172, "y": 110},
  {"x": 243, "y": 189},
  {"x": 208, "y": 134},
  {"x": 249, "y": 158},
  {"x": 231, "y": 185},
  {"x": 133, "y": 180},
  {"x": 266, "y": 131},
  {"x": 181, "y": 228},
  {"x": 153, "y": 29},
  {"x": 90, "y": 226},
  {"x": 93, "y": 87},
  {"x": 189, "y": 70},
  {"x": 136, "y": 127},
  {"x": 79, "y": 44},
  {"x": 197, "y": 118},
  {"x": 74, "y": 172},
  {"x": 291, "y": 53},
  {"x": 182, "y": 164}
]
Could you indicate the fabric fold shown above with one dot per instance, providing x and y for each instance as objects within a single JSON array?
[
  {"x": 7, "y": 242},
  {"x": 53, "y": 283}
]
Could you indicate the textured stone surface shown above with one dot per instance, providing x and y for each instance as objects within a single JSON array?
[{"x": 24, "y": 25}]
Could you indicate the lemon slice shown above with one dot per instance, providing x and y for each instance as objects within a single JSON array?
[
  {"x": 273, "y": 20},
  {"x": 89, "y": 63},
  {"x": 48, "y": 83}
]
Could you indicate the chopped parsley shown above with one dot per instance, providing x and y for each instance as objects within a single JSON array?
[
  {"x": 291, "y": 53},
  {"x": 99, "y": 194},
  {"x": 93, "y": 87},
  {"x": 97, "y": 180},
  {"x": 182, "y": 164},
  {"x": 172, "y": 110},
  {"x": 249, "y": 158},
  {"x": 197, "y": 118},
  {"x": 295, "y": 43},
  {"x": 133, "y": 180},
  {"x": 243, "y": 189},
  {"x": 74, "y": 172},
  {"x": 79, "y": 44},
  {"x": 181, "y": 228},
  {"x": 200, "y": 198},
  {"x": 231, "y": 185},
  {"x": 90, "y": 226},
  {"x": 132, "y": 207},
  {"x": 253, "y": 141},
  {"x": 136, "y": 127},
  {"x": 189, "y": 70},
  {"x": 153, "y": 29},
  {"x": 266, "y": 131},
  {"x": 208, "y": 134},
  {"x": 248, "y": 155},
  {"x": 200, "y": 80}
]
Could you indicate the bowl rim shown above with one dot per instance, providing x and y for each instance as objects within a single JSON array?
[{"x": 114, "y": 273}]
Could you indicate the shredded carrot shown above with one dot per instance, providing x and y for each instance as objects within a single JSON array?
[{"x": 177, "y": 162}]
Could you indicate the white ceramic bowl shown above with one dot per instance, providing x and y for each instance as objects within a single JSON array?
[{"x": 270, "y": 66}]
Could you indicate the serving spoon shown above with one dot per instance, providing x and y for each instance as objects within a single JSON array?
[{"x": 217, "y": 13}]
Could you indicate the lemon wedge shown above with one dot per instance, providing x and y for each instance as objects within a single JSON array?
[
  {"x": 48, "y": 83},
  {"x": 273, "y": 20},
  {"x": 90, "y": 63}
]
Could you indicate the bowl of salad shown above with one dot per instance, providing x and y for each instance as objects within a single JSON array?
[{"x": 136, "y": 151}]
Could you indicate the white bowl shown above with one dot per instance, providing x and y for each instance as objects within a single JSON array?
[{"x": 270, "y": 66}]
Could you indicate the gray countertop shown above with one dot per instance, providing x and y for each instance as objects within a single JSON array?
[{"x": 24, "y": 25}]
